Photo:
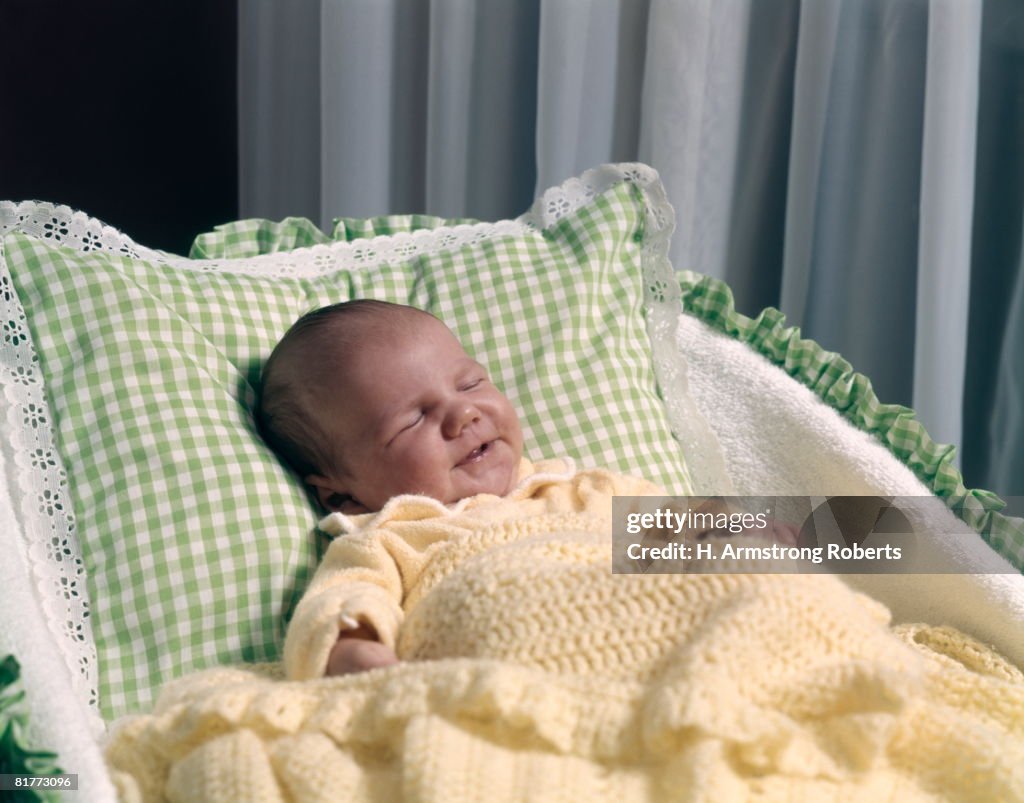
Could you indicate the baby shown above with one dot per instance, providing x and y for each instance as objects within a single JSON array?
[
  {"x": 370, "y": 403},
  {"x": 403, "y": 409},
  {"x": 369, "y": 400}
]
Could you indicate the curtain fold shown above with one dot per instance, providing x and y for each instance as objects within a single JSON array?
[
  {"x": 279, "y": 108},
  {"x": 482, "y": 107},
  {"x": 840, "y": 159},
  {"x": 1006, "y": 432},
  {"x": 590, "y": 71},
  {"x": 690, "y": 123},
  {"x": 947, "y": 207}
]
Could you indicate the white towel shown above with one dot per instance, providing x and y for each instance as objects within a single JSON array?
[
  {"x": 778, "y": 438},
  {"x": 58, "y": 720}
]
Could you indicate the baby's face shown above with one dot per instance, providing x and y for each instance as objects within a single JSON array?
[{"x": 416, "y": 414}]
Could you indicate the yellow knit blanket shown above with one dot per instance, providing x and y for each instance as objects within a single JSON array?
[
  {"x": 575, "y": 684},
  {"x": 780, "y": 688}
]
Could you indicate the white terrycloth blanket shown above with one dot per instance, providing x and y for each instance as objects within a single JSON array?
[
  {"x": 59, "y": 719},
  {"x": 778, "y": 438}
]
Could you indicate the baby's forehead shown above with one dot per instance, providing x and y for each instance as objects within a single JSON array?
[
  {"x": 382, "y": 372},
  {"x": 353, "y": 333},
  {"x": 366, "y": 351},
  {"x": 397, "y": 331}
]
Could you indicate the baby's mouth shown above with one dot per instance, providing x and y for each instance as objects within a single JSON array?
[{"x": 477, "y": 454}]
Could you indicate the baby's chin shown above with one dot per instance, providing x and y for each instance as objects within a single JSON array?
[
  {"x": 498, "y": 479},
  {"x": 465, "y": 490}
]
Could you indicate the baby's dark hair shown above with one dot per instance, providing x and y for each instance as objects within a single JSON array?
[{"x": 289, "y": 387}]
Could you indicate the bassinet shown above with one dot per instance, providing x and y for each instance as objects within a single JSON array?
[{"x": 655, "y": 372}]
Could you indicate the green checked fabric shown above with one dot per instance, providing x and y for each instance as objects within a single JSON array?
[
  {"x": 835, "y": 382},
  {"x": 255, "y": 237},
  {"x": 196, "y": 541}
]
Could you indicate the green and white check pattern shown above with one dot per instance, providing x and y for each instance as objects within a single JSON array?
[
  {"x": 197, "y": 542},
  {"x": 256, "y": 237},
  {"x": 835, "y": 382}
]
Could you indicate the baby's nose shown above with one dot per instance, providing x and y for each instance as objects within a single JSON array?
[{"x": 459, "y": 417}]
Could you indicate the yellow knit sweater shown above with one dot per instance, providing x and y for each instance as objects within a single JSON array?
[
  {"x": 530, "y": 672},
  {"x": 405, "y": 570}
]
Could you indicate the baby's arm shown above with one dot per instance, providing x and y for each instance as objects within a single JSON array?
[{"x": 355, "y": 595}]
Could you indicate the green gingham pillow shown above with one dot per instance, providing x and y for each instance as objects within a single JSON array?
[{"x": 195, "y": 540}]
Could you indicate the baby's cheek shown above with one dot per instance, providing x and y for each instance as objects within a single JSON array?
[{"x": 409, "y": 471}]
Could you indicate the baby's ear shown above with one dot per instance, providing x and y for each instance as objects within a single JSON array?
[{"x": 332, "y": 497}]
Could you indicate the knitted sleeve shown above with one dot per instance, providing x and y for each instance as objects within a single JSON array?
[
  {"x": 358, "y": 581},
  {"x": 364, "y": 578}
]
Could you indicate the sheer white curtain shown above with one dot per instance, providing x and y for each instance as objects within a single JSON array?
[{"x": 836, "y": 158}]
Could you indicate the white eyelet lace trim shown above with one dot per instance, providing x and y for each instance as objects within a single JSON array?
[
  {"x": 44, "y": 510},
  {"x": 702, "y": 451},
  {"x": 39, "y": 486}
]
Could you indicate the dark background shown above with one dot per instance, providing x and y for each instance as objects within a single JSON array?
[{"x": 126, "y": 110}]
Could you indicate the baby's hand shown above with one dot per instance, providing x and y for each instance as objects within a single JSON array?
[
  {"x": 358, "y": 650},
  {"x": 777, "y": 532},
  {"x": 785, "y": 533}
]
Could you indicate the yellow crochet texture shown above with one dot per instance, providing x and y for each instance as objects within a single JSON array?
[{"x": 569, "y": 683}]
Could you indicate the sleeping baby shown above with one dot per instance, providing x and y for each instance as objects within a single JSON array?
[
  {"x": 401, "y": 434},
  {"x": 528, "y": 669}
]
